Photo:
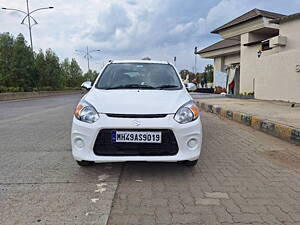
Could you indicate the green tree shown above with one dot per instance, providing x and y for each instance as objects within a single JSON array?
[
  {"x": 22, "y": 62},
  {"x": 6, "y": 58},
  {"x": 209, "y": 71},
  {"x": 39, "y": 69},
  {"x": 91, "y": 75},
  {"x": 65, "y": 67},
  {"x": 75, "y": 77},
  {"x": 53, "y": 75},
  {"x": 22, "y": 69}
]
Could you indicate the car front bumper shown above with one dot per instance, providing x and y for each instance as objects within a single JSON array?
[{"x": 84, "y": 135}]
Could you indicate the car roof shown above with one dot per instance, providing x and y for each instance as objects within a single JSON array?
[{"x": 139, "y": 61}]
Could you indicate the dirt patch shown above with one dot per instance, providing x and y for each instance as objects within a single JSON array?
[{"x": 286, "y": 158}]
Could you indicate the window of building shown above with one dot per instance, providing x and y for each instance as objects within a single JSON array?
[{"x": 265, "y": 45}]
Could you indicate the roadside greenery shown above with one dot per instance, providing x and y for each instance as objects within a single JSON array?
[
  {"x": 24, "y": 70},
  {"x": 208, "y": 75}
]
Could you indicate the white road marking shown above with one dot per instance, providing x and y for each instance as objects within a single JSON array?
[
  {"x": 94, "y": 200},
  {"x": 103, "y": 177},
  {"x": 101, "y": 190},
  {"x": 101, "y": 185}
]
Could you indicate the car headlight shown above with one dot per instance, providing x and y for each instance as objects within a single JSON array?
[
  {"x": 86, "y": 112},
  {"x": 187, "y": 113}
]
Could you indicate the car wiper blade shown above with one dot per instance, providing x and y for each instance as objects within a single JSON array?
[
  {"x": 167, "y": 86},
  {"x": 132, "y": 86}
]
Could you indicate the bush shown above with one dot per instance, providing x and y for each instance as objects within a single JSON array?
[
  {"x": 3, "y": 89},
  {"x": 72, "y": 88},
  {"x": 28, "y": 89},
  {"x": 13, "y": 89},
  {"x": 47, "y": 88}
]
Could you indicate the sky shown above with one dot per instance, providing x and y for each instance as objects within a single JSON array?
[{"x": 131, "y": 29}]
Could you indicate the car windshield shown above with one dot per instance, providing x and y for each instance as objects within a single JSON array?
[{"x": 139, "y": 76}]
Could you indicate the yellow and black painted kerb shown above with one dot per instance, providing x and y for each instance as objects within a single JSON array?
[{"x": 275, "y": 129}]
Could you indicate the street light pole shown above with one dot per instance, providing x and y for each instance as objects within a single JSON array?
[
  {"x": 28, "y": 15},
  {"x": 87, "y": 55},
  {"x": 29, "y": 25}
]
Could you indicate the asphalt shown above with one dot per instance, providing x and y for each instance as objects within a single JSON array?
[{"x": 39, "y": 181}]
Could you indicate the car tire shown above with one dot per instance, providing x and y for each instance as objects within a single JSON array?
[
  {"x": 190, "y": 163},
  {"x": 85, "y": 163}
]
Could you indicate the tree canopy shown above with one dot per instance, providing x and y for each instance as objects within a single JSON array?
[
  {"x": 207, "y": 75},
  {"x": 24, "y": 70}
]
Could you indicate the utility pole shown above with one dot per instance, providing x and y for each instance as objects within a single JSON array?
[
  {"x": 28, "y": 15},
  {"x": 175, "y": 59},
  {"x": 87, "y": 55}
]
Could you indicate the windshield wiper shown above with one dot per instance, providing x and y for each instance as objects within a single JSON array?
[
  {"x": 167, "y": 86},
  {"x": 133, "y": 86}
]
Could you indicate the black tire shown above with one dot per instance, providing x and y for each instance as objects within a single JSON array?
[
  {"x": 190, "y": 163},
  {"x": 85, "y": 163}
]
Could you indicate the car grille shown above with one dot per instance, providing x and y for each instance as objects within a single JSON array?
[
  {"x": 105, "y": 147},
  {"x": 136, "y": 115}
]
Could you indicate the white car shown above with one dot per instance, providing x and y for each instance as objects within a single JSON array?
[{"x": 136, "y": 111}]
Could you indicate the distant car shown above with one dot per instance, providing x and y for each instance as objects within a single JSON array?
[
  {"x": 191, "y": 87},
  {"x": 136, "y": 111}
]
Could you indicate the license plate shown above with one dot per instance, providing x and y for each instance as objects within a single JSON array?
[{"x": 136, "y": 136}]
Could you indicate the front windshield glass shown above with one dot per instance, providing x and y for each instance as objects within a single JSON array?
[{"x": 139, "y": 76}]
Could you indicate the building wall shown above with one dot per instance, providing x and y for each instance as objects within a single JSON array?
[
  {"x": 230, "y": 59},
  {"x": 218, "y": 66},
  {"x": 291, "y": 31},
  {"x": 277, "y": 78},
  {"x": 248, "y": 64},
  {"x": 273, "y": 76}
]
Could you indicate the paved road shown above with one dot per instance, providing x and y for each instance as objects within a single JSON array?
[
  {"x": 39, "y": 181},
  {"x": 243, "y": 177}
]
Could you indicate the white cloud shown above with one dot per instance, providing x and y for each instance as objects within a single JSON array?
[{"x": 132, "y": 28}]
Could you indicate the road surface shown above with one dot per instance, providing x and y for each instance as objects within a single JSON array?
[{"x": 243, "y": 177}]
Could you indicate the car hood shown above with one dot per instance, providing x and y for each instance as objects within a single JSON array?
[{"x": 124, "y": 101}]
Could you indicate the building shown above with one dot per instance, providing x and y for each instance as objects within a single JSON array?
[{"x": 260, "y": 54}]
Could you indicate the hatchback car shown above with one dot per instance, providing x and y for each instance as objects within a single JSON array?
[{"x": 136, "y": 111}]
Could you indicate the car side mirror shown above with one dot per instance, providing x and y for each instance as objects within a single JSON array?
[
  {"x": 191, "y": 87},
  {"x": 87, "y": 85}
]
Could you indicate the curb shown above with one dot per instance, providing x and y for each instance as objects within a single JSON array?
[
  {"x": 283, "y": 132},
  {"x": 30, "y": 95}
]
